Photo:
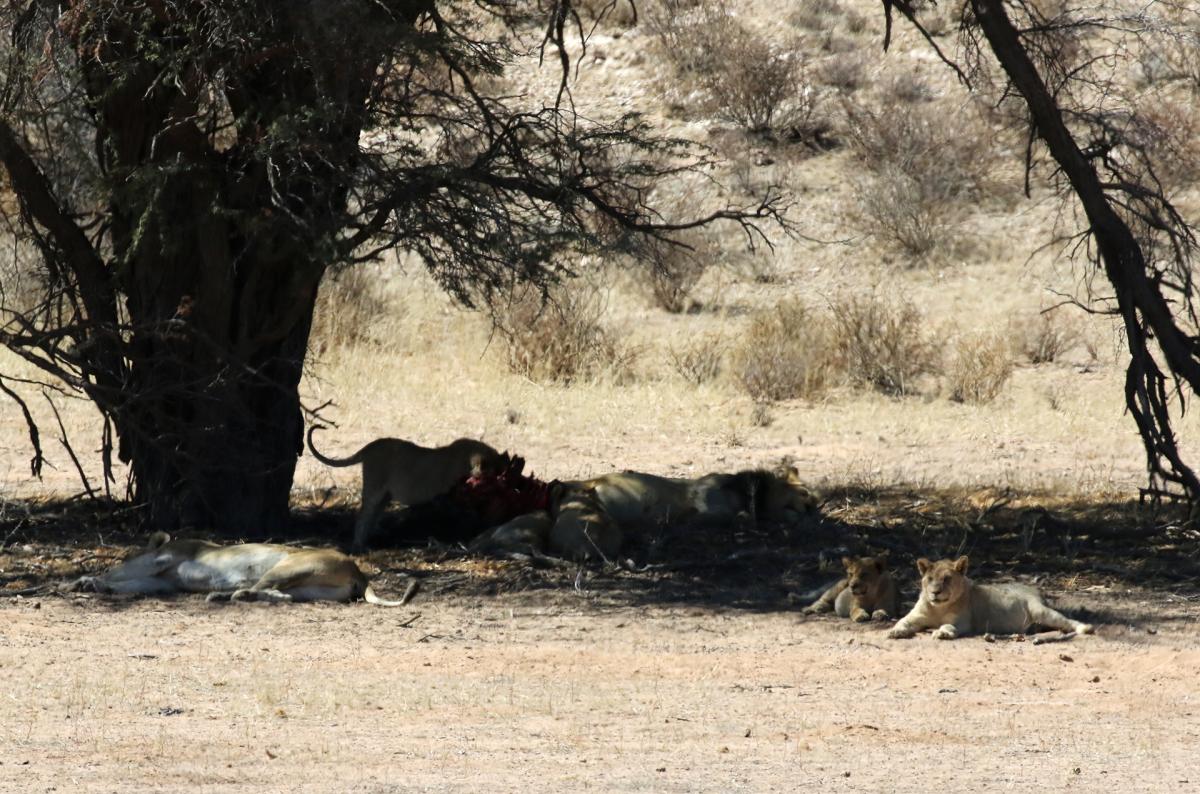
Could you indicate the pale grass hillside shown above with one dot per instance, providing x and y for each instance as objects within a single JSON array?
[{"x": 907, "y": 334}]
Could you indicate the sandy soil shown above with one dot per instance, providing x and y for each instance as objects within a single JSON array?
[{"x": 572, "y": 691}]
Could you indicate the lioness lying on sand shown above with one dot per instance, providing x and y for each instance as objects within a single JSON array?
[
  {"x": 867, "y": 593},
  {"x": 954, "y": 606},
  {"x": 243, "y": 572},
  {"x": 394, "y": 470}
]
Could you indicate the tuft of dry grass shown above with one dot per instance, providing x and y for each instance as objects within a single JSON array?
[
  {"x": 350, "y": 304},
  {"x": 560, "y": 337},
  {"x": 882, "y": 343},
  {"x": 979, "y": 369},
  {"x": 815, "y": 14},
  {"x": 676, "y": 270},
  {"x": 1046, "y": 339},
  {"x": 699, "y": 361},
  {"x": 786, "y": 352}
]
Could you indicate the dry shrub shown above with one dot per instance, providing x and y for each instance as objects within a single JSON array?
[
  {"x": 787, "y": 352},
  {"x": 621, "y": 13},
  {"x": 907, "y": 88},
  {"x": 882, "y": 343},
  {"x": 749, "y": 80},
  {"x": 350, "y": 304},
  {"x": 815, "y": 14},
  {"x": 923, "y": 168},
  {"x": 1169, "y": 134},
  {"x": 1045, "y": 339},
  {"x": 980, "y": 368},
  {"x": 845, "y": 72},
  {"x": 561, "y": 339},
  {"x": 676, "y": 270},
  {"x": 699, "y": 361}
]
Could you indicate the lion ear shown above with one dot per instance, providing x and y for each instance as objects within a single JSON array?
[
  {"x": 158, "y": 540},
  {"x": 847, "y": 562},
  {"x": 923, "y": 565},
  {"x": 960, "y": 564}
]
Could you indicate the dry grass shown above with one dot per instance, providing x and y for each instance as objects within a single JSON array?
[
  {"x": 815, "y": 15},
  {"x": 882, "y": 343},
  {"x": 562, "y": 338},
  {"x": 760, "y": 84},
  {"x": 787, "y": 352},
  {"x": 699, "y": 361},
  {"x": 981, "y": 366},
  {"x": 1047, "y": 337},
  {"x": 676, "y": 270},
  {"x": 350, "y": 305},
  {"x": 923, "y": 169}
]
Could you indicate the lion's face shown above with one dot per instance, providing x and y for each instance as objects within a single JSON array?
[
  {"x": 864, "y": 574},
  {"x": 788, "y": 493},
  {"x": 944, "y": 581}
]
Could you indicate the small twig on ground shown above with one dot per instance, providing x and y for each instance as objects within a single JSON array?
[{"x": 410, "y": 621}]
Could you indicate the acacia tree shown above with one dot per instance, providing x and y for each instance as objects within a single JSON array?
[
  {"x": 1063, "y": 65},
  {"x": 185, "y": 172}
]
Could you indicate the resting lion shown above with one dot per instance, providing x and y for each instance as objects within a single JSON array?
[
  {"x": 867, "y": 593},
  {"x": 637, "y": 499},
  {"x": 576, "y": 528},
  {"x": 401, "y": 471},
  {"x": 243, "y": 572},
  {"x": 954, "y": 606}
]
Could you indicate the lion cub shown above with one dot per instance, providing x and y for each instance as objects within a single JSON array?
[
  {"x": 954, "y": 606},
  {"x": 866, "y": 593},
  {"x": 401, "y": 471}
]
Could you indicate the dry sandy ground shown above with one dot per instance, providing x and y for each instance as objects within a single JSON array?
[{"x": 567, "y": 692}]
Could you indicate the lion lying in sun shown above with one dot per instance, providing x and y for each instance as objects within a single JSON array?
[
  {"x": 242, "y": 572},
  {"x": 867, "y": 593},
  {"x": 954, "y": 606}
]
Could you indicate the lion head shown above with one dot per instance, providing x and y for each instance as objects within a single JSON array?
[
  {"x": 864, "y": 575},
  {"x": 944, "y": 581}
]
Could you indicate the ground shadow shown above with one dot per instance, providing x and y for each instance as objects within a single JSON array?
[{"x": 1057, "y": 542}]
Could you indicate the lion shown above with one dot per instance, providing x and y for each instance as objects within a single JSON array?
[
  {"x": 954, "y": 606},
  {"x": 583, "y": 529},
  {"x": 634, "y": 498},
  {"x": 867, "y": 593},
  {"x": 404, "y": 472},
  {"x": 242, "y": 572},
  {"x": 525, "y": 534}
]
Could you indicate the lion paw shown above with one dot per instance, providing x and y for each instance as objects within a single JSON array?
[
  {"x": 880, "y": 614},
  {"x": 899, "y": 634},
  {"x": 944, "y": 633},
  {"x": 860, "y": 616}
]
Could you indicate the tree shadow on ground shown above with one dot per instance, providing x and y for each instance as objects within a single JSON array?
[{"x": 1074, "y": 544}]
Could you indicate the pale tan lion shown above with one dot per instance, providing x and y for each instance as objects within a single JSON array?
[
  {"x": 242, "y": 572},
  {"x": 954, "y": 606},
  {"x": 867, "y": 593},
  {"x": 403, "y": 472}
]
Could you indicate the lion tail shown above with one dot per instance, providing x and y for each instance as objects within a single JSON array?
[
  {"x": 350, "y": 461},
  {"x": 370, "y": 597}
]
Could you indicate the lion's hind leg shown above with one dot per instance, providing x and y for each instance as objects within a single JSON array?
[
  {"x": 1042, "y": 615},
  {"x": 827, "y": 600}
]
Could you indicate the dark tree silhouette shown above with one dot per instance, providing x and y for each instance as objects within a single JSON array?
[
  {"x": 1061, "y": 65},
  {"x": 185, "y": 172}
]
